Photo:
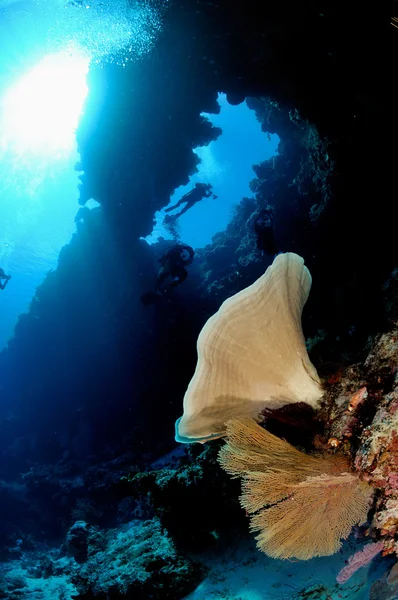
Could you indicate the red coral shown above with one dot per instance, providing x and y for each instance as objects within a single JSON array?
[
  {"x": 350, "y": 424},
  {"x": 336, "y": 377},
  {"x": 393, "y": 481},
  {"x": 393, "y": 447}
]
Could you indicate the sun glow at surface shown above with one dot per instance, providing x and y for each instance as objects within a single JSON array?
[
  {"x": 41, "y": 111},
  {"x": 46, "y": 50}
]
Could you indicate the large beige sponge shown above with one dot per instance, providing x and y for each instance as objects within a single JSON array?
[{"x": 252, "y": 354}]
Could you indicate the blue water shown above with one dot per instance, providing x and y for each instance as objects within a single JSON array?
[
  {"x": 227, "y": 168},
  {"x": 32, "y": 232},
  {"x": 38, "y": 190},
  {"x": 38, "y": 193},
  {"x": 38, "y": 201}
]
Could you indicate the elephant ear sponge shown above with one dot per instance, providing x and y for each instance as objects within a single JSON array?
[
  {"x": 301, "y": 505},
  {"x": 252, "y": 354}
]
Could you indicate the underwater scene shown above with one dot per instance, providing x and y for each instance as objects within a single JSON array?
[{"x": 198, "y": 300}]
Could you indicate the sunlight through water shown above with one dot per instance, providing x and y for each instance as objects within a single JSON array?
[
  {"x": 40, "y": 112},
  {"x": 47, "y": 48}
]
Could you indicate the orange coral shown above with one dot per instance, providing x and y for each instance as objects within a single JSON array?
[{"x": 301, "y": 505}]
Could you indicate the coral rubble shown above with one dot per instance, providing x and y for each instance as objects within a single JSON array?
[{"x": 136, "y": 560}]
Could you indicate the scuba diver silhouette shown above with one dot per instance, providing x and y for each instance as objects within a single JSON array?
[
  {"x": 264, "y": 230},
  {"x": 173, "y": 263},
  {"x": 200, "y": 191},
  {"x": 5, "y": 277}
]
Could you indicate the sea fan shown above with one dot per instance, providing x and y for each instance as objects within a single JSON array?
[{"x": 301, "y": 505}]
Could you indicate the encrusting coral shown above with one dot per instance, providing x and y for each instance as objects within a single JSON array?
[
  {"x": 252, "y": 354},
  {"x": 368, "y": 431},
  {"x": 135, "y": 560},
  {"x": 301, "y": 505}
]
